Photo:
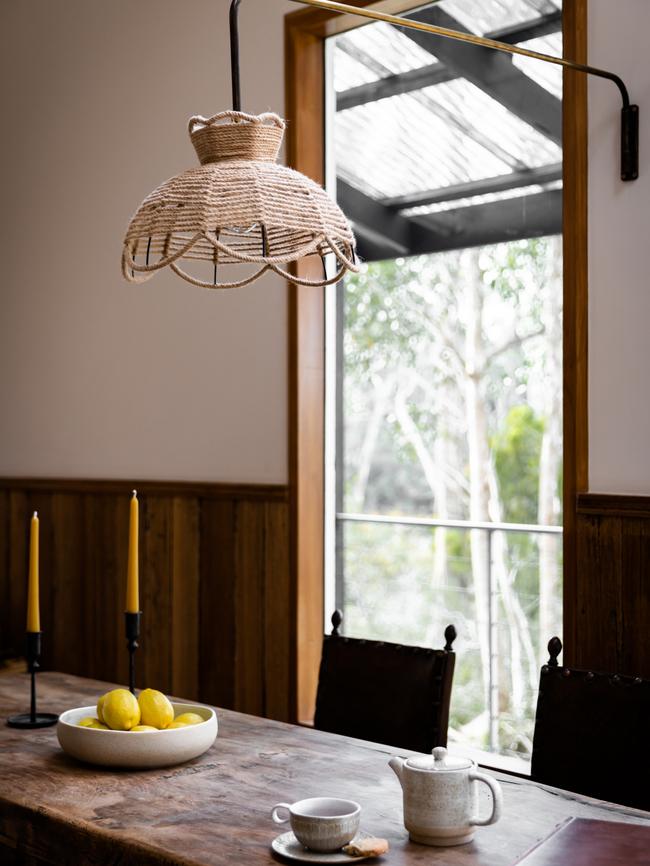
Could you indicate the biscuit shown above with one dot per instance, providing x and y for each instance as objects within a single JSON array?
[{"x": 366, "y": 848}]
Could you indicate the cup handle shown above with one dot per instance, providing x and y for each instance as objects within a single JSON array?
[
  {"x": 276, "y": 817},
  {"x": 497, "y": 799}
]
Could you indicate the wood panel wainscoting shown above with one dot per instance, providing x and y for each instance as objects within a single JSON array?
[
  {"x": 214, "y": 586},
  {"x": 613, "y": 583}
]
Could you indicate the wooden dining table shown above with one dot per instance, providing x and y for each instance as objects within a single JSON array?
[{"x": 215, "y": 810}]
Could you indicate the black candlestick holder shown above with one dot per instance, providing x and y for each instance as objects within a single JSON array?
[
  {"x": 32, "y": 719},
  {"x": 132, "y": 621}
]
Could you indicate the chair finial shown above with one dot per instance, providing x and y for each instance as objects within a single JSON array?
[
  {"x": 450, "y": 637},
  {"x": 337, "y": 619},
  {"x": 554, "y": 650}
]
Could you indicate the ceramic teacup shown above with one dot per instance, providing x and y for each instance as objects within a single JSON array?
[{"x": 321, "y": 823}]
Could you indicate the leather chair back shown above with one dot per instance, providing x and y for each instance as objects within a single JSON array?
[
  {"x": 385, "y": 692},
  {"x": 592, "y": 733}
]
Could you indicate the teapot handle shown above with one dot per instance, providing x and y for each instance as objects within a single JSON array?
[{"x": 497, "y": 799}]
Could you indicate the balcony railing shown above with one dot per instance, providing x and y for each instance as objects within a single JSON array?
[{"x": 489, "y": 528}]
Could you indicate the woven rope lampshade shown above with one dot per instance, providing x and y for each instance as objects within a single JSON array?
[{"x": 240, "y": 206}]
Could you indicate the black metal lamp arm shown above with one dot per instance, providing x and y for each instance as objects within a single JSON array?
[
  {"x": 234, "y": 55},
  {"x": 629, "y": 112}
]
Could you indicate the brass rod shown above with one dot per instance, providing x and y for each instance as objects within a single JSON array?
[{"x": 473, "y": 39}]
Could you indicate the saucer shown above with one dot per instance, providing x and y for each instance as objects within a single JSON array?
[{"x": 288, "y": 846}]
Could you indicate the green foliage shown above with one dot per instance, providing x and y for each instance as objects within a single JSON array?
[
  {"x": 516, "y": 449},
  {"x": 379, "y": 332}
]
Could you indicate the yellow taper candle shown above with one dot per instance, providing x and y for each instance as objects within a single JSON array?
[
  {"x": 132, "y": 577},
  {"x": 33, "y": 607}
]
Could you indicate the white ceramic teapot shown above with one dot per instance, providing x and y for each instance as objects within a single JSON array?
[{"x": 440, "y": 797}]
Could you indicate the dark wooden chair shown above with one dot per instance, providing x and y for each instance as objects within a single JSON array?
[
  {"x": 385, "y": 692},
  {"x": 592, "y": 733}
]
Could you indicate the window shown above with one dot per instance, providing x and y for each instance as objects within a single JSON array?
[{"x": 444, "y": 386}]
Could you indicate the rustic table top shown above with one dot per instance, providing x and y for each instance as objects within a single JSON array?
[{"x": 216, "y": 809}]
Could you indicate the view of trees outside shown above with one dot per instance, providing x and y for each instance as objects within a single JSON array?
[{"x": 452, "y": 409}]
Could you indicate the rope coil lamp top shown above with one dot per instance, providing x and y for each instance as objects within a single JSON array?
[{"x": 238, "y": 207}]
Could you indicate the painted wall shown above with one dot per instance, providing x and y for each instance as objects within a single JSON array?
[
  {"x": 619, "y": 281},
  {"x": 99, "y": 378}
]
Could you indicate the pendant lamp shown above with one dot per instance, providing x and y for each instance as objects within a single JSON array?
[{"x": 239, "y": 207}]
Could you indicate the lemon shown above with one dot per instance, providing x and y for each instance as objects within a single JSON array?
[
  {"x": 142, "y": 728},
  {"x": 155, "y": 709},
  {"x": 100, "y": 705},
  {"x": 189, "y": 719},
  {"x": 177, "y": 725},
  {"x": 92, "y": 722},
  {"x": 120, "y": 710}
]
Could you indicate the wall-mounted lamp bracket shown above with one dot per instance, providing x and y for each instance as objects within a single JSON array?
[
  {"x": 629, "y": 115},
  {"x": 629, "y": 142}
]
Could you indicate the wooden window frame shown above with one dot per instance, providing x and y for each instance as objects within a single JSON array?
[{"x": 305, "y": 32}]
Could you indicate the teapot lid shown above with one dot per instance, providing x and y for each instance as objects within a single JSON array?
[{"x": 439, "y": 761}]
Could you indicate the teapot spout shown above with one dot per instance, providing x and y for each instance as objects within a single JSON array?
[{"x": 397, "y": 766}]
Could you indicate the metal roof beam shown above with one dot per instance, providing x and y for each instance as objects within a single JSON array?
[
  {"x": 393, "y": 85},
  {"x": 438, "y": 73},
  {"x": 510, "y": 219},
  {"x": 542, "y": 175},
  {"x": 492, "y": 72},
  {"x": 383, "y": 234},
  {"x": 377, "y": 227}
]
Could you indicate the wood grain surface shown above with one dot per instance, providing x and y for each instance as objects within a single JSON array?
[
  {"x": 613, "y": 583},
  {"x": 216, "y": 810},
  {"x": 305, "y": 31},
  {"x": 575, "y": 200}
]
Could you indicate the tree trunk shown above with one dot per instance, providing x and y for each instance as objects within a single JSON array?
[
  {"x": 442, "y": 513},
  {"x": 478, "y": 457},
  {"x": 523, "y": 660},
  {"x": 485, "y": 505},
  {"x": 433, "y": 474},
  {"x": 366, "y": 452}
]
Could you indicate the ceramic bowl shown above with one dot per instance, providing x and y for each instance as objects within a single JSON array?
[{"x": 141, "y": 749}]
